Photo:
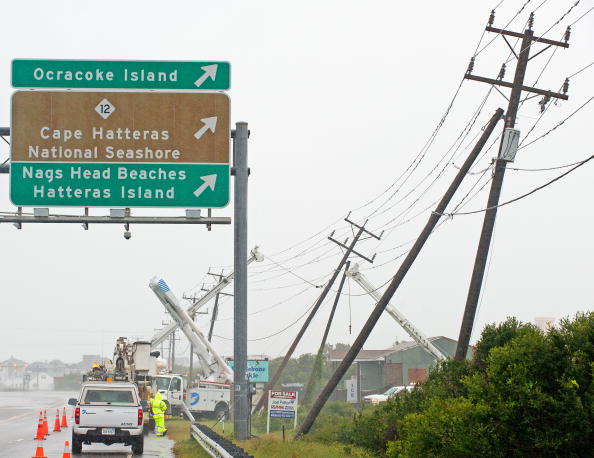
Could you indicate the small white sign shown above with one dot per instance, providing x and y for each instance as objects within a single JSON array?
[
  {"x": 351, "y": 390},
  {"x": 105, "y": 108}
]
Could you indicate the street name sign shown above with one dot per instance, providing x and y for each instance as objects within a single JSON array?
[
  {"x": 120, "y": 149},
  {"x": 120, "y": 74}
]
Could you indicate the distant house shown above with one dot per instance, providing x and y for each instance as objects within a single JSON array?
[
  {"x": 404, "y": 364},
  {"x": 41, "y": 381},
  {"x": 12, "y": 373}
]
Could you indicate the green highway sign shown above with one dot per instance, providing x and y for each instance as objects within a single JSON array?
[
  {"x": 120, "y": 149},
  {"x": 119, "y": 185},
  {"x": 120, "y": 74}
]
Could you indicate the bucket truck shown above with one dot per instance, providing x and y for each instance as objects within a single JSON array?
[
  {"x": 212, "y": 392},
  {"x": 410, "y": 329}
]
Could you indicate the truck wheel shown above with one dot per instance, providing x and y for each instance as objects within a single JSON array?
[
  {"x": 76, "y": 444},
  {"x": 138, "y": 445},
  {"x": 221, "y": 409}
]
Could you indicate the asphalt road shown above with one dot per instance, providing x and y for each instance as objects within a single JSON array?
[{"x": 19, "y": 413}]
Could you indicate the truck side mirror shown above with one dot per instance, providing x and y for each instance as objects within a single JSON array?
[{"x": 72, "y": 401}]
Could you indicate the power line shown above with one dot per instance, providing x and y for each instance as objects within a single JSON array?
[
  {"x": 548, "y": 183},
  {"x": 554, "y": 128},
  {"x": 545, "y": 168}
]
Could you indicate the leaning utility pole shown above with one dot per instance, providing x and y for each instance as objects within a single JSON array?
[
  {"x": 396, "y": 280},
  {"x": 315, "y": 375},
  {"x": 349, "y": 249},
  {"x": 507, "y": 149}
]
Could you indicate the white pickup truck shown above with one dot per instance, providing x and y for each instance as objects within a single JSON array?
[{"x": 108, "y": 413}]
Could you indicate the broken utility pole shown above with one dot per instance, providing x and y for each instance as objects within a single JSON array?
[
  {"x": 505, "y": 155},
  {"x": 397, "y": 279},
  {"x": 349, "y": 249}
]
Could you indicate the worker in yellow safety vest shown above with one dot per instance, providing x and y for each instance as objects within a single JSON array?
[{"x": 158, "y": 408}]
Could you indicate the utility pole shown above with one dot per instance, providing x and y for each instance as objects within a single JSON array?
[
  {"x": 215, "y": 312},
  {"x": 191, "y": 377},
  {"x": 348, "y": 250},
  {"x": 316, "y": 371},
  {"x": 396, "y": 280},
  {"x": 241, "y": 383},
  {"x": 215, "y": 309},
  {"x": 504, "y": 156},
  {"x": 173, "y": 351},
  {"x": 192, "y": 315}
]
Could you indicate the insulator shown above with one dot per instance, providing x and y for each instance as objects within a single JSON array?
[
  {"x": 565, "y": 85},
  {"x": 543, "y": 102},
  {"x": 531, "y": 21},
  {"x": 491, "y": 18},
  {"x": 470, "y": 66},
  {"x": 501, "y": 73},
  {"x": 567, "y": 34}
]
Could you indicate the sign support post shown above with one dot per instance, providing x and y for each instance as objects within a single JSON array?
[{"x": 241, "y": 383}]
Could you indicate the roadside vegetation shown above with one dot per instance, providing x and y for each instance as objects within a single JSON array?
[
  {"x": 185, "y": 446},
  {"x": 525, "y": 393}
]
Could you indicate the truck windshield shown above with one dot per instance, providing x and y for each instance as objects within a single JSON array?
[
  {"x": 163, "y": 383},
  {"x": 108, "y": 396}
]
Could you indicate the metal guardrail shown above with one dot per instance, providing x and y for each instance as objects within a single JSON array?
[{"x": 215, "y": 445}]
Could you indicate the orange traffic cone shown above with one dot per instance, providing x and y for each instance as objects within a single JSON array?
[
  {"x": 66, "y": 453},
  {"x": 57, "y": 422},
  {"x": 39, "y": 453},
  {"x": 40, "y": 436},
  {"x": 64, "y": 422},
  {"x": 45, "y": 427}
]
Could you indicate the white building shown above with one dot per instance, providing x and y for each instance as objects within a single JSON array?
[
  {"x": 40, "y": 381},
  {"x": 12, "y": 373}
]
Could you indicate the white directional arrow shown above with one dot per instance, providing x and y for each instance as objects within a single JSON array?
[
  {"x": 209, "y": 123},
  {"x": 209, "y": 182},
  {"x": 210, "y": 71}
]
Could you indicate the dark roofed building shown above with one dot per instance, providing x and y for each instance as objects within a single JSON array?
[{"x": 404, "y": 364}]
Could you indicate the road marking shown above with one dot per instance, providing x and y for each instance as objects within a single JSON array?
[{"x": 16, "y": 417}]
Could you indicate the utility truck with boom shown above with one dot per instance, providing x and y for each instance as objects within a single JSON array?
[{"x": 211, "y": 393}]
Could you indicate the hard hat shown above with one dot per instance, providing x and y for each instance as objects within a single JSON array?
[{"x": 95, "y": 365}]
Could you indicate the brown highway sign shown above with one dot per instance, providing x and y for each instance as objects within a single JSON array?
[{"x": 120, "y": 148}]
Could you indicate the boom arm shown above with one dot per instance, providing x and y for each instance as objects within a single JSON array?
[
  {"x": 211, "y": 365},
  {"x": 411, "y": 330},
  {"x": 167, "y": 330}
]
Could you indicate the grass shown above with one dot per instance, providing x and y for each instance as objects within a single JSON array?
[
  {"x": 272, "y": 446},
  {"x": 185, "y": 445},
  {"x": 266, "y": 446}
]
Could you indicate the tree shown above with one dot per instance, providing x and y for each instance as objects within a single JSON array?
[{"x": 451, "y": 427}]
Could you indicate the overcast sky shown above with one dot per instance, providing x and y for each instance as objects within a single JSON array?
[{"x": 340, "y": 97}]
